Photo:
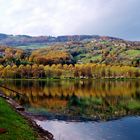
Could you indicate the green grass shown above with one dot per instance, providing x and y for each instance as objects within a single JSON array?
[
  {"x": 131, "y": 53},
  {"x": 104, "y": 42},
  {"x": 17, "y": 127},
  {"x": 134, "y": 105},
  {"x": 93, "y": 58},
  {"x": 32, "y": 46},
  {"x": 81, "y": 56},
  {"x": 97, "y": 57},
  {"x": 86, "y": 58}
]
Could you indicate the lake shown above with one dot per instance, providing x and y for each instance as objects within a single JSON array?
[{"x": 81, "y": 109}]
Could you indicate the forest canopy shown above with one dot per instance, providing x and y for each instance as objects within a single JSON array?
[{"x": 90, "y": 59}]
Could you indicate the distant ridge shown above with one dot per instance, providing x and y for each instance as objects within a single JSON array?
[{"x": 19, "y": 40}]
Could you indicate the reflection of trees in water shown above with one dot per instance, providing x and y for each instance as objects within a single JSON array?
[{"x": 88, "y": 98}]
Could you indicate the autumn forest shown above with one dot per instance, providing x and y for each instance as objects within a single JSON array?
[{"x": 90, "y": 59}]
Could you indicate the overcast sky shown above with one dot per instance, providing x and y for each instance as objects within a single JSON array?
[{"x": 119, "y": 18}]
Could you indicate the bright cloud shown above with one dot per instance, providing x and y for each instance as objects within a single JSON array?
[{"x": 61, "y": 17}]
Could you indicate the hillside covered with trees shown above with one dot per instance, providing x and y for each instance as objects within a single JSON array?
[{"x": 100, "y": 57}]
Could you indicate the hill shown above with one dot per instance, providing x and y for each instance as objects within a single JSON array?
[
  {"x": 25, "y": 40},
  {"x": 69, "y": 50},
  {"x": 103, "y": 51}
]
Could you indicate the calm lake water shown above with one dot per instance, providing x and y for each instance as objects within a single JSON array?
[{"x": 82, "y": 110}]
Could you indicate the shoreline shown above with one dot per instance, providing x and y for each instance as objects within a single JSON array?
[
  {"x": 70, "y": 79},
  {"x": 41, "y": 133}
]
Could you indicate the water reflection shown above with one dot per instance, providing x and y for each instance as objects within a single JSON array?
[
  {"x": 123, "y": 129},
  {"x": 85, "y": 99}
]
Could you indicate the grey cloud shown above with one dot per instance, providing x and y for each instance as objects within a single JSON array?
[{"x": 58, "y": 17}]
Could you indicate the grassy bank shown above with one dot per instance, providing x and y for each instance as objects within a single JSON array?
[{"x": 17, "y": 128}]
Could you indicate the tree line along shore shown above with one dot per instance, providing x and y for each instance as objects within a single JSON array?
[{"x": 89, "y": 70}]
